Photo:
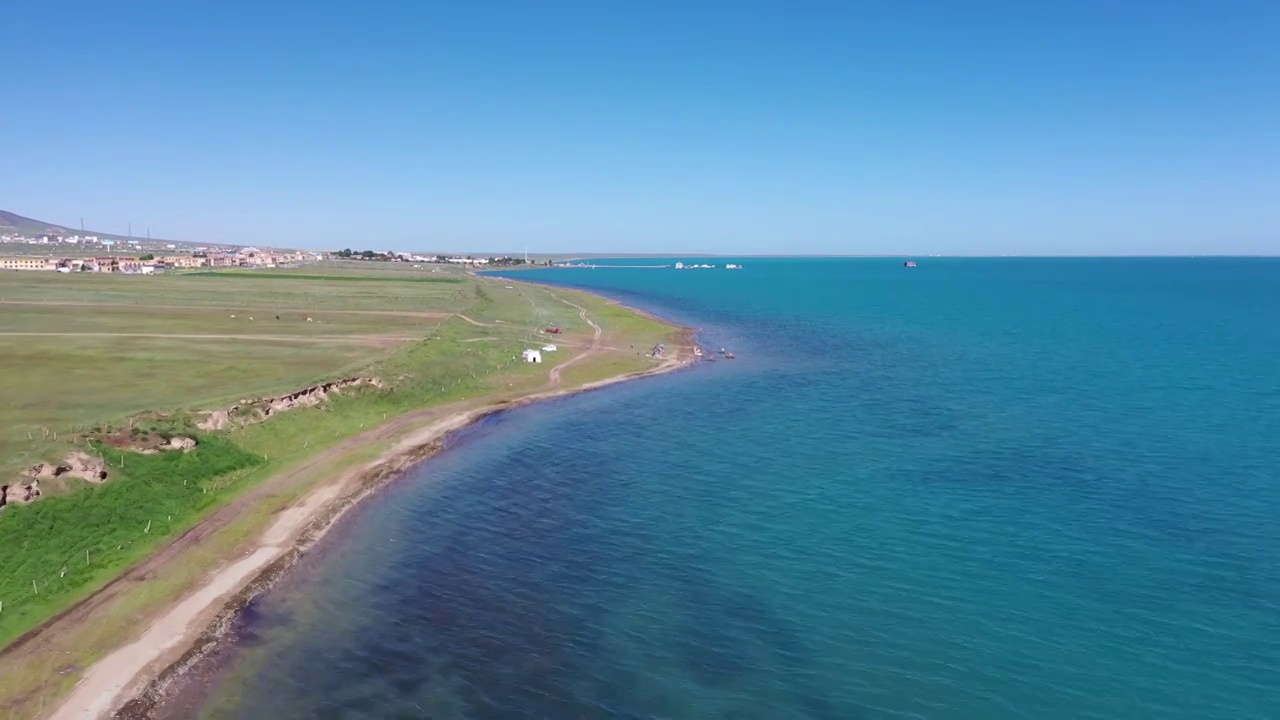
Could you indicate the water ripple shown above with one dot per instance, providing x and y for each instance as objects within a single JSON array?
[{"x": 978, "y": 491}]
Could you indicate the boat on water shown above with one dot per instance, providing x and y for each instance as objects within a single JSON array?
[
  {"x": 909, "y": 263},
  {"x": 720, "y": 351},
  {"x": 709, "y": 358},
  {"x": 728, "y": 356}
]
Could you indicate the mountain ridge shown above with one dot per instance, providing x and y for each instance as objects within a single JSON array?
[{"x": 13, "y": 222}]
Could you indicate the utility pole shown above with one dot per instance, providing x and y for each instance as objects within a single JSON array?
[
  {"x": 81, "y": 224},
  {"x": 130, "y": 229}
]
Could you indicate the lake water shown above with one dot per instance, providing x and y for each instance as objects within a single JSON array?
[{"x": 985, "y": 489}]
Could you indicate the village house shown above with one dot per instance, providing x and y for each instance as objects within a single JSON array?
[
  {"x": 28, "y": 264},
  {"x": 184, "y": 261},
  {"x": 532, "y": 356},
  {"x": 223, "y": 261}
]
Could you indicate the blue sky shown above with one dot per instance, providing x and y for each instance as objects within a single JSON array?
[{"x": 734, "y": 127}]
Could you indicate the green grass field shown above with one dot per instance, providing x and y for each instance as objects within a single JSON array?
[
  {"x": 333, "y": 277},
  {"x": 116, "y": 523},
  {"x": 309, "y": 289},
  {"x": 84, "y": 351},
  {"x": 88, "y": 349}
]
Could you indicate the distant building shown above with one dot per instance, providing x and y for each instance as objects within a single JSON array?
[
  {"x": 185, "y": 261},
  {"x": 532, "y": 356},
  {"x": 28, "y": 264}
]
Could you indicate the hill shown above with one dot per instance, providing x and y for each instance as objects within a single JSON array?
[
  {"x": 12, "y": 222},
  {"x": 15, "y": 223}
]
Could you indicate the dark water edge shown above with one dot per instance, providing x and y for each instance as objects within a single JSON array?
[{"x": 186, "y": 695}]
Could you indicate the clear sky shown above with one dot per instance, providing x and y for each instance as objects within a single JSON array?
[{"x": 898, "y": 127}]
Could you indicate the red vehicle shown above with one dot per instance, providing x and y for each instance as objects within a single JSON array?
[{"x": 554, "y": 330}]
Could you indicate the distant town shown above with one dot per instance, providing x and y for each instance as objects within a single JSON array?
[{"x": 90, "y": 253}]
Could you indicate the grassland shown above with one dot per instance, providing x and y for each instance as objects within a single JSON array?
[
  {"x": 263, "y": 275},
  {"x": 90, "y": 349},
  {"x": 119, "y": 522},
  {"x": 93, "y": 351}
]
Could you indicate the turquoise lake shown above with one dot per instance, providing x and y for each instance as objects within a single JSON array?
[{"x": 980, "y": 488}]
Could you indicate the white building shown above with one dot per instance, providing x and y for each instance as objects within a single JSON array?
[{"x": 532, "y": 356}]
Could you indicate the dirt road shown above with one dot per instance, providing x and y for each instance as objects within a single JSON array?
[{"x": 596, "y": 334}]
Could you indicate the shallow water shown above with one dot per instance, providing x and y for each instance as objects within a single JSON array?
[{"x": 977, "y": 489}]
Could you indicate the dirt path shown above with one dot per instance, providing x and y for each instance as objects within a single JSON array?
[
  {"x": 317, "y": 311},
  {"x": 276, "y": 484},
  {"x": 110, "y": 680},
  {"x": 596, "y": 344},
  {"x": 477, "y": 323},
  {"x": 361, "y": 339}
]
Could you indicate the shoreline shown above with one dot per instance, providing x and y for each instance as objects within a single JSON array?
[{"x": 136, "y": 679}]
